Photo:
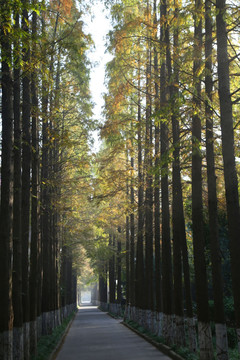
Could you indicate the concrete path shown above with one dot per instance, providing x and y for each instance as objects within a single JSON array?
[{"x": 96, "y": 336}]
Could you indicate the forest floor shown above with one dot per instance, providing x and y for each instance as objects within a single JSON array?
[{"x": 96, "y": 336}]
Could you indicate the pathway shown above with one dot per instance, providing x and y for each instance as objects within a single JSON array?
[{"x": 96, "y": 336}]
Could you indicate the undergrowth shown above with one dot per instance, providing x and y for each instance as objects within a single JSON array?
[
  {"x": 48, "y": 343},
  {"x": 182, "y": 351}
]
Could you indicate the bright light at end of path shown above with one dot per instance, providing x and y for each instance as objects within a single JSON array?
[{"x": 87, "y": 307}]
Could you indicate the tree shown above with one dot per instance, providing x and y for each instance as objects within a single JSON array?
[
  {"x": 148, "y": 179},
  {"x": 132, "y": 295},
  {"x": 157, "y": 237},
  {"x": 34, "y": 278},
  {"x": 230, "y": 174},
  {"x": 26, "y": 163},
  {"x": 22, "y": 146},
  {"x": 166, "y": 242},
  {"x": 205, "y": 337},
  {"x": 6, "y": 319},
  {"x": 119, "y": 273},
  {"x": 221, "y": 332},
  {"x": 17, "y": 239},
  {"x": 127, "y": 250},
  {"x": 140, "y": 292},
  {"x": 178, "y": 221},
  {"x": 112, "y": 284}
]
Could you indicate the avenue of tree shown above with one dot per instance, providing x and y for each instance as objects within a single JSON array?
[
  {"x": 45, "y": 116},
  {"x": 172, "y": 129},
  {"x": 156, "y": 210}
]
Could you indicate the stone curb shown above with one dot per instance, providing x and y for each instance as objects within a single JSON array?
[
  {"x": 163, "y": 348},
  {"x": 114, "y": 316},
  {"x": 55, "y": 352}
]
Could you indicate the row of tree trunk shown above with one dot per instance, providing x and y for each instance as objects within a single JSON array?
[
  {"x": 37, "y": 279},
  {"x": 110, "y": 277}
]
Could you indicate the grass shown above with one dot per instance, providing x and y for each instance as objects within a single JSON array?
[
  {"x": 234, "y": 354},
  {"x": 183, "y": 351},
  {"x": 48, "y": 343}
]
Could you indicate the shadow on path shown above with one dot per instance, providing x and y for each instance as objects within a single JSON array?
[{"x": 96, "y": 336}]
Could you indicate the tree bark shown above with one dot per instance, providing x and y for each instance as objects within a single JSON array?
[
  {"x": 127, "y": 251},
  {"x": 45, "y": 201},
  {"x": 178, "y": 222},
  {"x": 103, "y": 288},
  {"x": 112, "y": 285},
  {"x": 166, "y": 242},
  {"x": 158, "y": 291},
  {"x": 26, "y": 163},
  {"x": 132, "y": 240},
  {"x": 17, "y": 241},
  {"x": 230, "y": 174},
  {"x": 217, "y": 278},
  {"x": 119, "y": 272},
  {"x": 6, "y": 218},
  {"x": 148, "y": 169},
  {"x": 205, "y": 338},
  {"x": 35, "y": 229},
  {"x": 140, "y": 274}
]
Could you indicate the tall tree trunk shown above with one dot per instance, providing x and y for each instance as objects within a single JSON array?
[
  {"x": 63, "y": 278},
  {"x": 166, "y": 242},
  {"x": 132, "y": 239},
  {"x": 204, "y": 329},
  {"x": 45, "y": 199},
  {"x": 230, "y": 174},
  {"x": 39, "y": 277},
  {"x": 45, "y": 213},
  {"x": 127, "y": 249},
  {"x": 6, "y": 218},
  {"x": 52, "y": 189},
  {"x": 178, "y": 223},
  {"x": 68, "y": 278},
  {"x": 119, "y": 272},
  {"x": 103, "y": 288},
  {"x": 52, "y": 230},
  {"x": 217, "y": 278},
  {"x": 35, "y": 230},
  {"x": 57, "y": 194},
  {"x": 26, "y": 162},
  {"x": 74, "y": 290},
  {"x": 47, "y": 220},
  {"x": 112, "y": 284},
  {"x": 17, "y": 240},
  {"x": 178, "y": 212},
  {"x": 140, "y": 292},
  {"x": 149, "y": 192},
  {"x": 158, "y": 293}
]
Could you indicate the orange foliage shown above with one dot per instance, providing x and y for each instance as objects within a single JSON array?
[
  {"x": 63, "y": 6},
  {"x": 66, "y": 6}
]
